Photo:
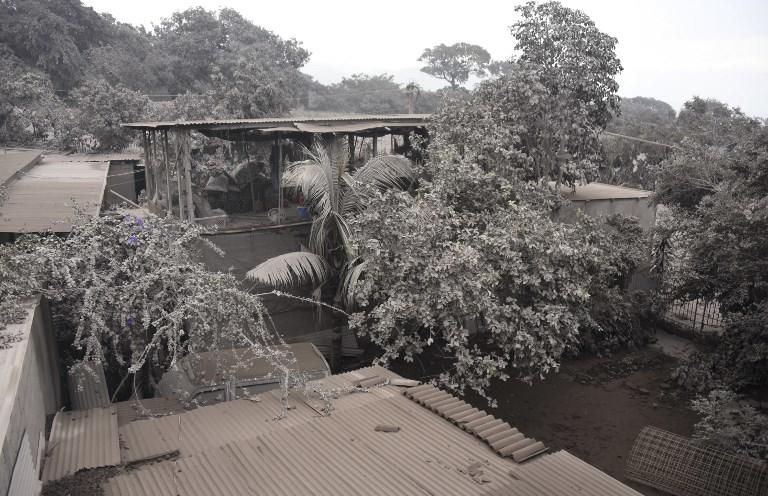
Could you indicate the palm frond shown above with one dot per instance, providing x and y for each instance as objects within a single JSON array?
[
  {"x": 324, "y": 228},
  {"x": 291, "y": 270},
  {"x": 386, "y": 172},
  {"x": 311, "y": 178},
  {"x": 383, "y": 172},
  {"x": 352, "y": 273}
]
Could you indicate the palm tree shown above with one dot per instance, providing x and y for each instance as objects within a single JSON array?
[{"x": 333, "y": 193}]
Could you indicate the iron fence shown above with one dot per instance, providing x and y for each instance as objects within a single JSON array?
[{"x": 699, "y": 315}]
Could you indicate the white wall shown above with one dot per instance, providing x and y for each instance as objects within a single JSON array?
[{"x": 30, "y": 389}]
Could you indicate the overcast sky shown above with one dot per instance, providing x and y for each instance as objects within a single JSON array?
[{"x": 670, "y": 49}]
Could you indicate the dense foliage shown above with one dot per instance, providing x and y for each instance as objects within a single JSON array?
[
  {"x": 712, "y": 246},
  {"x": 541, "y": 119},
  {"x": 629, "y": 161},
  {"x": 473, "y": 270},
  {"x": 731, "y": 424},
  {"x": 361, "y": 93},
  {"x": 129, "y": 293},
  {"x": 62, "y": 54}
]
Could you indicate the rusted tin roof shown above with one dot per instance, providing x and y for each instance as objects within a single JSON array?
[
  {"x": 286, "y": 123},
  {"x": 42, "y": 197},
  {"x": 240, "y": 448},
  {"x": 81, "y": 439}
]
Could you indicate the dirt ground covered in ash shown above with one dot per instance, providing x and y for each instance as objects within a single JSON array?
[{"x": 595, "y": 407}]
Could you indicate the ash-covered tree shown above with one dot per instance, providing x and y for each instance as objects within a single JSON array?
[
  {"x": 53, "y": 36},
  {"x": 129, "y": 58},
  {"x": 251, "y": 70},
  {"x": 26, "y": 97},
  {"x": 631, "y": 162},
  {"x": 455, "y": 63},
  {"x": 130, "y": 293},
  {"x": 541, "y": 120},
  {"x": 716, "y": 249},
  {"x": 471, "y": 268},
  {"x": 101, "y": 108},
  {"x": 472, "y": 271},
  {"x": 361, "y": 93}
]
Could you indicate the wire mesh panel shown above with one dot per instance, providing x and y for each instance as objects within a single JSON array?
[{"x": 678, "y": 466}]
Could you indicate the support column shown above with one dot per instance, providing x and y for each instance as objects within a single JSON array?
[
  {"x": 187, "y": 163},
  {"x": 166, "y": 163},
  {"x": 148, "y": 179},
  {"x": 279, "y": 178},
  {"x": 375, "y": 145},
  {"x": 180, "y": 174},
  {"x": 156, "y": 176}
]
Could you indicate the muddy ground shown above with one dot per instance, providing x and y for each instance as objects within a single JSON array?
[{"x": 595, "y": 407}]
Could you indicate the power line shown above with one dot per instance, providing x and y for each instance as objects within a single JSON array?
[{"x": 634, "y": 138}]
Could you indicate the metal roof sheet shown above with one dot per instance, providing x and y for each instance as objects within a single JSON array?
[
  {"x": 41, "y": 198},
  {"x": 13, "y": 161},
  {"x": 100, "y": 157},
  {"x": 502, "y": 438},
  {"x": 351, "y": 128},
  {"x": 601, "y": 191},
  {"x": 276, "y": 121},
  {"x": 132, "y": 410},
  {"x": 246, "y": 452},
  {"x": 81, "y": 439}
]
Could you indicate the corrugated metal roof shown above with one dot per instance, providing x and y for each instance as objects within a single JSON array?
[
  {"x": 601, "y": 191},
  {"x": 41, "y": 198},
  {"x": 81, "y": 439},
  {"x": 400, "y": 119},
  {"x": 100, "y": 157},
  {"x": 502, "y": 438},
  {"x": 246, "y": 452}
]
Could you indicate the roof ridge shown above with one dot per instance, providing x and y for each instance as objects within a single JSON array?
[{"x": 502, "y": 438}]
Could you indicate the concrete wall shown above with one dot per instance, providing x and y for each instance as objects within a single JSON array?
[
  {"x": 642, "y": 208},
  {"x": 30, "y": 388}
]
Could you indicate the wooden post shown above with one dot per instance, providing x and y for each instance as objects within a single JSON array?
[
  {"x": 179, "y": 175},
  {"x": 375, "y": 145},
  {"x": 351, "y": 146},
  {"x": 148, "y": 186},
  {"x": 279, "y": 179},
  {"x": 187, "y": 160},
  {"x": 166, "y": 164},
  {"x": 146, "y": 159}
]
